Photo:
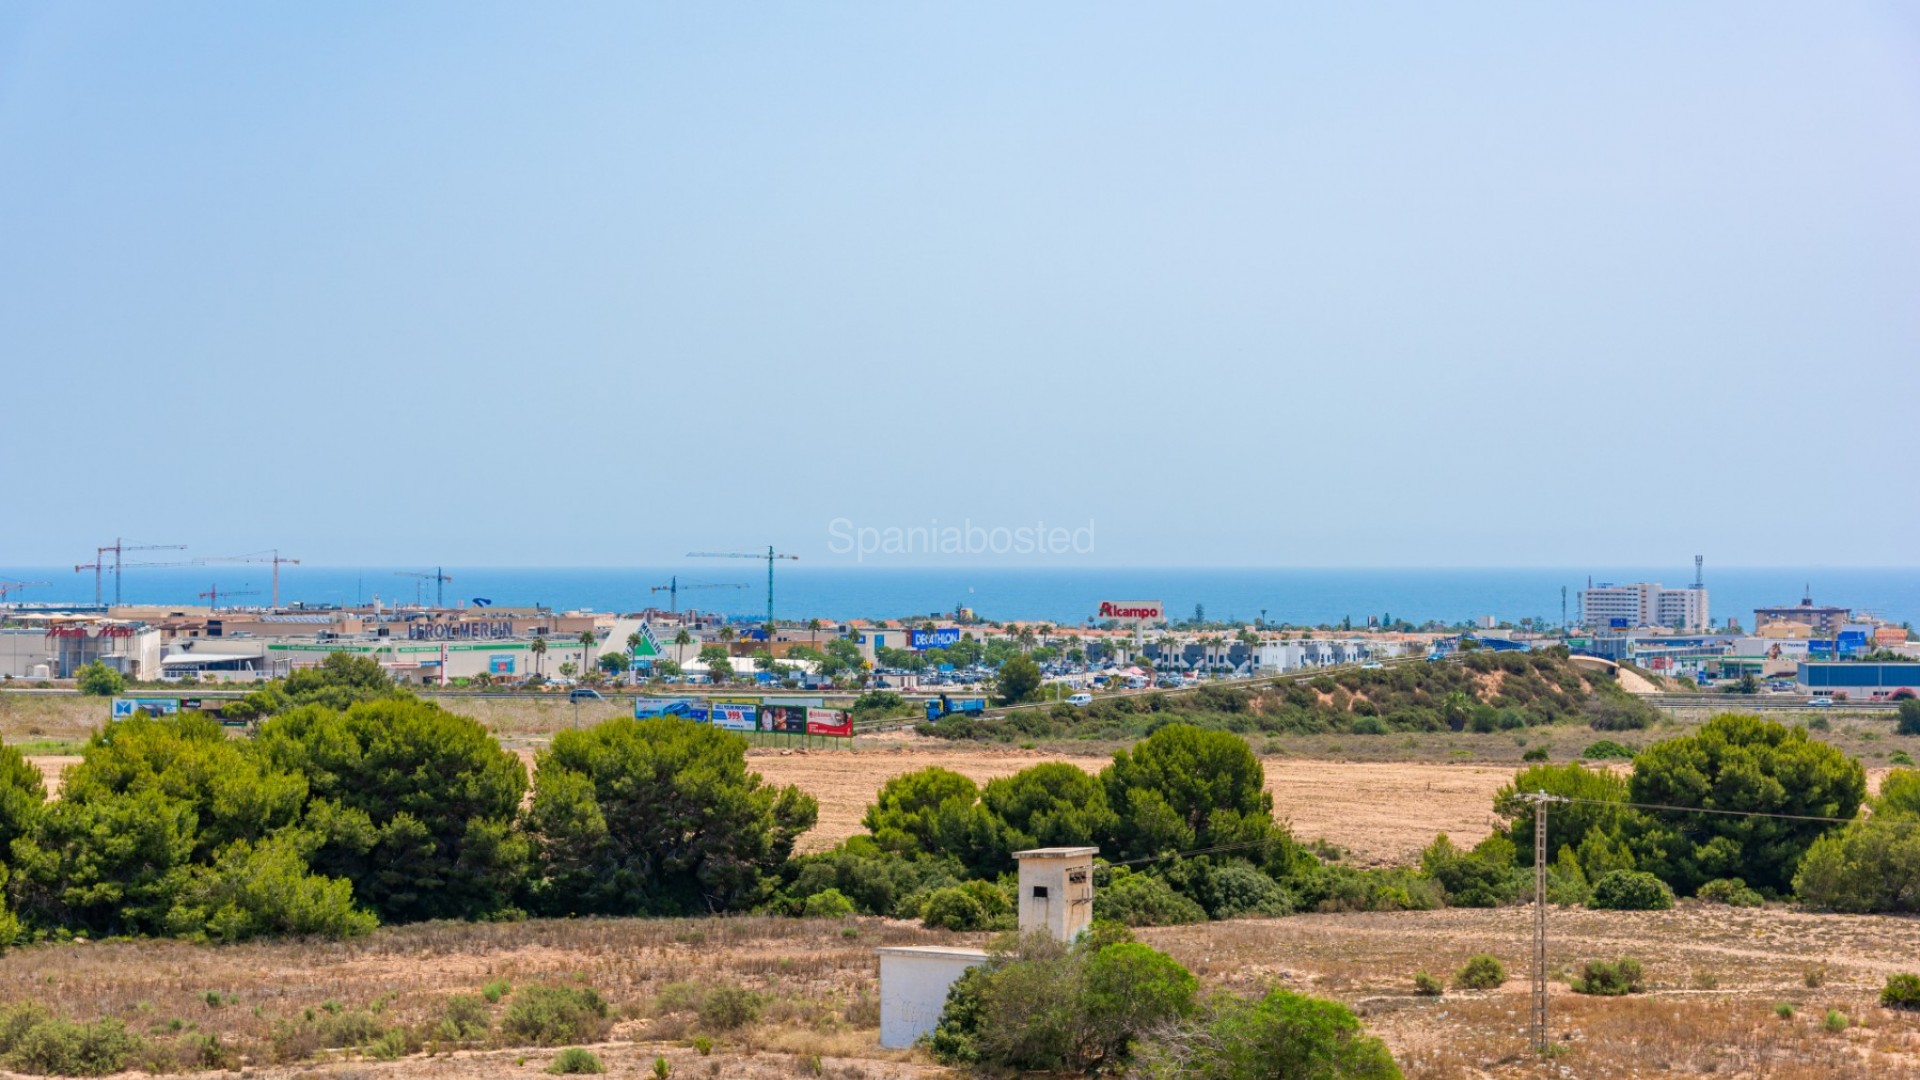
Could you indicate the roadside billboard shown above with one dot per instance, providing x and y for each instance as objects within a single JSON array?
[
  {"x": 784, "y": 719},
  {"x": 735, "y": 714},
  {"x": 830, "y": 722},
  {"x": 126, "y": 707},
  {"x": 691, "y": 708},
  {"x": 499, "y": 664},
  {"x": 1132, "y": 612},
  {"x": 945, "y": 638}
]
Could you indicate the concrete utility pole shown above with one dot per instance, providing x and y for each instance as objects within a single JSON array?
[{"x": 1540, "y": 799}]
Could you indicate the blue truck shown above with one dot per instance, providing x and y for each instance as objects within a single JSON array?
[{"x": 945, "y": 705}]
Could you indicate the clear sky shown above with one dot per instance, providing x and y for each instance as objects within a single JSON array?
[{"x": 1237, "y": 284}]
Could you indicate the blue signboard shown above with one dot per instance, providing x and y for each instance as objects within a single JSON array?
[
  {"x": 1617, "y": 623},
  {"x": 933, "y": 639},
  {"x": 691, "y": 708},
  {"x": 124, "y": 708}
]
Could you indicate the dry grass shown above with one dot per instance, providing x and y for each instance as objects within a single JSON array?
[{"x": 817, "y": 992}]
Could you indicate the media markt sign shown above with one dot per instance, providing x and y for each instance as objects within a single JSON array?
[{"x": 1132, "y": 612}]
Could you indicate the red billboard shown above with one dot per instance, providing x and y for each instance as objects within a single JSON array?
[{"x": 830, "y": 722}]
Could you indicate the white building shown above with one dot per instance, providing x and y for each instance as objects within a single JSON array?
[{"x": 1644, "y": 603}]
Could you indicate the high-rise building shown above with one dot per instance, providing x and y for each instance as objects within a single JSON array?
[{"x": 1644, "y": 603}]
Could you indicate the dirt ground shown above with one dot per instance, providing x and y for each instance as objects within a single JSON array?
[{"x": 1715, "y": 979}]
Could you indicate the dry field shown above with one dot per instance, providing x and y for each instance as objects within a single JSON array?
[{"x": 1715, "y": 977}]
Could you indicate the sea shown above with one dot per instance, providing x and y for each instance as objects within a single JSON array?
[{"x": 1064, "y": 596}]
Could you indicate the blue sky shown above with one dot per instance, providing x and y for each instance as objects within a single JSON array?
[{"x": 1238, "y": 284}]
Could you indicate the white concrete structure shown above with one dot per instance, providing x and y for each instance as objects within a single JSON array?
[
  {"x": 1056, "y": 890},
  {"x": 1056, "y": 895},
  {"x": 1644, "y": 603},
  {"x": 914, "y": 980}
]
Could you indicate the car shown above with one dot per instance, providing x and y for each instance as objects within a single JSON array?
[
  {"x": 1373, "y": 664},
  {"x": 584, "y": 693},
  {"x": 1820, "y": 703},
  {"x": 1080, "y": 700}
]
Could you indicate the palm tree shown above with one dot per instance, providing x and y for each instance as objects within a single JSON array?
[
  {"x": 813, "y": 627},
  {"x": 539, "y": 649},
  {"x": 633, "y": 646},
  {"x": 681, "y": 640},
  {"x": 587, "y": 642}
]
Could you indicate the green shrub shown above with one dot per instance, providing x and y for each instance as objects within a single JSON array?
[
  {"x": 55, "y": 1047},
  {"x": 1369, "y": 725},
  {"x": 1604, "y": 979},
  {"x": 728, "y": 1007},
  {"x": 1729, "y": 891},
  {"x": 827, "y": 904},
  {"x": 98, "y": 680},
  {"x": 971, "y": 905},
  {"x": 1469, "y": 879},
  {"x": 1836, "y": 1021},
  {"x": 1144, "y": 900},
  {"x": 1783, "y": 1010},
  {"x": 1900, "y": 757},
  {"x": 555, "y": 1015},
  {"x": 1538, "y": 753},
  {"x": 574, "y": 1060},
  {"x": 1631, "y": 890},
  {"x": 1606, "y": 749},
  {"x": 464, "y": 1019},
  {"x": 1901, "y": 992},
  {"x": 1283, "y": 1034},
  {"x": 1234, "y": 889},
  {"x": 702, "y": 1045},
  {"x": 1481, "y": 972},
  {"x": 495, "y": 989},
  {"x": 1908, "y": 722},
  {"x": 1867, "y": 866},
  {"x": 1426, "y": 985}
]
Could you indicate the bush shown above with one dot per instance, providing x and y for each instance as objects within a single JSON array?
[
  {"x": 1469, "y": 880},
  {"x": 1868, "y": 866},
  {"x": 265, "y": 889},
  {"x": 1234, "y": 889},
  {"x": 1606, "y": 749},
  {"x": 1783, "y": 1010},
  {"x": 726, "y": 1008},
  {"x": 1144, "y": 900},
  {"x": 49, "y": 1046},
  {"x": 1426, "y": 985},
  {"x": 1283, "y": 1034},
  {"x": 1538, "y": 753},
  {"x": 1617, "y": 710},
  {"x": 98, "y": 680},
  {"x": 574, "y": 1060},
  {"x": 1631, "y": 890},
  {"x": 970, "y": 905},
  {"x": 464, "y": 1019},
  {"x": 1729, "y": 891},
  {"x": 1901, "y": 992},
  {"x": 1836, "y": 1021},
  {"x": 1908, "y": 721},
  {"x": 1602, "y": 979},
  {"x": 827, "y": 904},
  {"x": 555, "y": 1015},
  {"x": 1370, "y": 725},
  {"x": 1482, "y": 972}
]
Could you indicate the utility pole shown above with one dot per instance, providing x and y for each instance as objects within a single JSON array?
[{"x": 1540, "y": 799}]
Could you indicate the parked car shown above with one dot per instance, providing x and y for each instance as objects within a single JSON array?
[
  {"x": 1821, "y": 703},
  {"x": 1080, "y": 700},
  {"x": 584, "y": 693}
]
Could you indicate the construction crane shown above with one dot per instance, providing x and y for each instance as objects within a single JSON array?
[
  {"x": 438, "y": 577},
  {"x": 15, "y": 586},
  {"x": 213, "y": 594},
  {"x": 672, "y": 589},
  {"x": 119, "y": 548},
  {"x": 271, "y": 555},
  {"x": 769, "y": 556}
]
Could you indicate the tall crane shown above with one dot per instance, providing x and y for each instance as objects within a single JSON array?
[
  {"x": 213, "y": 594},
  {"x": 15, "y": 586},
  {"x": 769, "y": 556},
  {"x": 119, "y": 547},
  {"x": 439, "y": 578},
  {"x": 271, "y": 555},
  {"x": 672, "y": 589}
]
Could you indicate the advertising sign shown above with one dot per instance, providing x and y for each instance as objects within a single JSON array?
[
  {"x": 691, "y": 708},
  {"x": 735, "y": 714},
  {"x": 125, "y": 707},
  {"x": 1617, "y": 623},
  {"x": 1132, "y": 612},
  {"x": 830, "y": 722},
  {"x": 499, "y": 664},
  {"x": 920, "y": 640},
  {"x": 784, "y": 719}
]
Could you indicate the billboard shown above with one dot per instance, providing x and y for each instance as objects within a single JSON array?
[
  {"x": 1617, "y": 623},
  {"x": 735, "y": 714},
  {"x": 920, "y": 640},
  {"x": 499, "y": 664},
  {"x": 126, "y": 707},
  {"x": 691, "y": 708},
  {"x": 1132, "y": 612},
  {"x": 830, "y": 722},
  {"x": 784, "y": 719}
]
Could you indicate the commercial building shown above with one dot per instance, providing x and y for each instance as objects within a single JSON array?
[
  {"x": 1822, "y": 620},
  {"x": 1860, "y": 682},
  {"x": 1644, "y": 603}
]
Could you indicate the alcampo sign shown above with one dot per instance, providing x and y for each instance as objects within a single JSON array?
[{"x": 1132, "y": 611}]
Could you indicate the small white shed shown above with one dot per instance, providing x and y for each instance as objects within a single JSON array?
[{"x": 914, "y": 980}]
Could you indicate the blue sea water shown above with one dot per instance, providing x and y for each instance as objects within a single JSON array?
[{"x": 1065, "y": 595}]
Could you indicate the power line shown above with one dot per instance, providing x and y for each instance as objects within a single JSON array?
[{"x": 1710, "y": 810}]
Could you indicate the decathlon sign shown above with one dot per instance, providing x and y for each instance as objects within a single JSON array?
[{"x": 1135, "y": 612}]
